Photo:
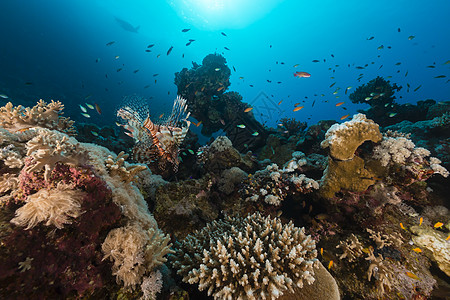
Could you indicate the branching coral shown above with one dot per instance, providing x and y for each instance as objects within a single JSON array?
[
  {"x": 352, "y": 248},
  {"x": 42, "y": 115},
  {"x": 51, "y": 147},
  {"x": 118, "y": 166},
  {"x": 135, "y": 252},
  {"x": 247, "y": 258},
  {"x": 379, "y": 271},
  {"x": 54, "y": 206}
]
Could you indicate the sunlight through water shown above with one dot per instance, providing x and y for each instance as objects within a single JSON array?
[{"x": 221, "y": 14}]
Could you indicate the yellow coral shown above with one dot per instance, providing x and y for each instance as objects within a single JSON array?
[{"x": 343, "y": 139}]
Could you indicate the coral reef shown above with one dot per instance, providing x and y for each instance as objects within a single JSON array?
[
  {"x": 87, "y": 193},
  {"x": 379, "y": 94},
  {"x": 204, "y": 88},
  {"x": 221, "y": 155},
  {"x": 253, "y": 258},
  {"x": 42, "y": 115},
  {"x": 273, "y": 185}
]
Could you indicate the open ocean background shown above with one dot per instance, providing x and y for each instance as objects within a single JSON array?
[{"x": 49, "y": 50}]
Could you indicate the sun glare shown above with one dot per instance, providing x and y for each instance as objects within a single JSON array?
[{"x": 218, "y": 14}]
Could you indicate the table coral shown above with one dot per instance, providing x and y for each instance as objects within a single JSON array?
[{"x": 254, "y": 257}]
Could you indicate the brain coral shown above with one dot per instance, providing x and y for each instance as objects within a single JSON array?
[{"x": 254, "y": 257}]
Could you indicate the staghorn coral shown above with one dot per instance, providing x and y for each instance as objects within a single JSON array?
[
  {"x": 352, "y": 248},
  {"x": 42, "y": 115},
  {"x": 254, "y": 257},
  {"x": 135, "y": 252},
  {"x": 118, "y": 166},
  {"x": 54, "y": 206},
  {"x": 49, "y": 147},
  {"x": 343, "y": 139}
]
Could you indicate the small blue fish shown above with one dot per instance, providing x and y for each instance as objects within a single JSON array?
[
  {"x": 94, "y": 133},
  {"x": 256, "y": 133},
  {"x": 190, "y": 151},
  {"x": 90, "y": 106},
  {"x": 85, "y": 115},
  {"x": 241, "y": 126}
]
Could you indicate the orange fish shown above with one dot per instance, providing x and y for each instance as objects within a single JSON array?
[
  {"x": 297, "y": 104},
  {"x": 321, "y": 251},
  {"x": 340, "y": 103},
  {"x": 344, "y": 117},
  {"x": 403, "y": 227},
  {"x": 302, "y": 74},
  {"x": 221, "y": 88},
  {"x": 161, "y": 115},
  {"x": 412, "y": 275},
  {"x": 280, "y": 102},
  {"x": 198, "y": 124},
  {"x": 203, "y": 88},
  {"x": 98, "y": 109},
  {"x": 330, "y": 264},
  {"x": 248, "y": 109},
  {"x": 420, "y": 221},
  {"x": 417, "y": 250},
  {"x": 438, "y": 225},
  {"x": 448, "y": 238},
  {"x": 298, "y": 108}
]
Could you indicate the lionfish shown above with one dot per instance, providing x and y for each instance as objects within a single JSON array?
[{"x": 155, "y": 141}]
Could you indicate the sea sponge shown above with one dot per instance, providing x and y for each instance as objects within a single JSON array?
[
  {"x": 42, "y": 115},
  {"x": 343, "y": 139},
  {"x": 254, "y": 257},
  {"x": 349, "y": 175},
  {"x": 52, "y": 205}
]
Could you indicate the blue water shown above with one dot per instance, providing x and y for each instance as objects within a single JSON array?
[{"x": 54, "y": 46}]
